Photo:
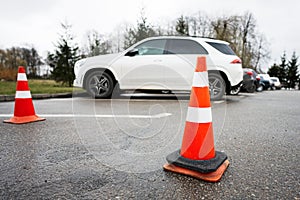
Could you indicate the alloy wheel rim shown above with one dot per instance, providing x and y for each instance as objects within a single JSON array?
[
  {"x": 215, "y": 87},
  {"x": 99, "y": 85}
]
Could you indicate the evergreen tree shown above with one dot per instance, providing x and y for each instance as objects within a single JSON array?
[
  {"x": 292, "y": 71},
  {"x": 274, "y": 70},
  {"x": 64, "y": 58},
  {"x": 282, "y": 75},
  {"x": 182, "y": 26}
]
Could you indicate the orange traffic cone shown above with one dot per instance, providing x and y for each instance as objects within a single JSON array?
[
  {"x": 197, "y": 157},
  {"x": 24, "y": 110}
]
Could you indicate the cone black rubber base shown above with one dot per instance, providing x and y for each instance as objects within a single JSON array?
[
  {"x": 210, "y": 177},
  {"x": 202, "y": 166}
]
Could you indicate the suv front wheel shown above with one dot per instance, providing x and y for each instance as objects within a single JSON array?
[
  {"x": 99, "y": 84},
  {"x": 217, "y": 86}
]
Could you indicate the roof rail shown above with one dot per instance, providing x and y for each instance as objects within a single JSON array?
[{"x": 195, "y": 36}]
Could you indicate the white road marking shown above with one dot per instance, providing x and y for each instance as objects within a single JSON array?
[
  {"x": 218, "y": 102},
  {"x": 157, "y": 116}
]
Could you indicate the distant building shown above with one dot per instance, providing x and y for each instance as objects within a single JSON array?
[{"x": 44, "y": 71}]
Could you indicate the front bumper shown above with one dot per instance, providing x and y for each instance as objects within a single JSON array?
[{"x": 77, "y": 83}]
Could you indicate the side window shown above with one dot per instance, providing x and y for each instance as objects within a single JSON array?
[
  {"x": 180, "y": 46},
  {"x": 152, "y": 47},
  {"x": 224, "y": 48}
]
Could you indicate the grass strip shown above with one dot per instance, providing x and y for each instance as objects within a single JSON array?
[{"x": 37, "y": 87}]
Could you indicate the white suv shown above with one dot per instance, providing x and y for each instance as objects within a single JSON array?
[{"x": 161, "y": 63}]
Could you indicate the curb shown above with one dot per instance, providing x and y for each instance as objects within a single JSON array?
[{"x": 4, "y": 98}]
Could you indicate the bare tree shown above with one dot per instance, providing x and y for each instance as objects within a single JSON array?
[
  {"x": 97, "y": 44},
  {"x": 262, "y": 53},
  {"x": 142, "y": 30},
  {"x": 247, "y": 34},
  {"x": 33, "y": 61},
  {"x": 240, "y": 31},
  {"x": 200, "y": 25}
]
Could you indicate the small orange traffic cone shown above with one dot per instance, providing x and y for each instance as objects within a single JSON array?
[
  {"x": 24, "y": 110},
  {"x": 197, "y": 156}
]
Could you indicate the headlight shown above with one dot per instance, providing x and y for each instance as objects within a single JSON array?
[{"x": 78, "y": 64}]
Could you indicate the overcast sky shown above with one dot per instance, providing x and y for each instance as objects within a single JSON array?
[{"x": 37, "y": 22}]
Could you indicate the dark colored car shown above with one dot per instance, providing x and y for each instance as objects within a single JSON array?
[
  {"x": 251, "y": 82},
  {"x": 266, "y": 82}
]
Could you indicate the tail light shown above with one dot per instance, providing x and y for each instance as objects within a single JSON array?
[
  {"x": 250, "y": 73},
  {"x": 258, "y": 78},
  {"x": 236, "y": 61}
]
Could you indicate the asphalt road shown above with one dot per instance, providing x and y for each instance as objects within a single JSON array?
[{"x": 115, "y": 149}]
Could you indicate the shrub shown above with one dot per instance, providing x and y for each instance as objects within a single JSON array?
[{"x": 8, "y": 74}]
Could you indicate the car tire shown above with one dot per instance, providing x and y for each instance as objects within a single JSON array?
[
  {"x": 99, "y": 84},
  {"x": 260, "y": 88},
  {"x": 217, "y": 86},
  {"x": 252, "y": 89},
  {"x": 235, "y": 91}
]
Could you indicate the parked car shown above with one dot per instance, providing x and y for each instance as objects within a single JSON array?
[
  {"x": 276, "y": 82},
  {"x": 259, "y": 84},
  {"x": 165, "y": 63},
  {"x": 250, "y": 83},
  {"x": 266, "y": 81}
]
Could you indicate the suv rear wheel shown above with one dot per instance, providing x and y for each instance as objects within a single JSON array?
[
  {"x": 99, "y": 84},
  {"x": 217, "y": 86}
]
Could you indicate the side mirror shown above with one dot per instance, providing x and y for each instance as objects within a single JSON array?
[{"x": 132, "y": 52}]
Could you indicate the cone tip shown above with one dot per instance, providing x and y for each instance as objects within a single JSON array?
[{"x": 21, "y": 69}]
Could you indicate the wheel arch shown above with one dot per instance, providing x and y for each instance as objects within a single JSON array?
[{"x": 98, "y": 69}]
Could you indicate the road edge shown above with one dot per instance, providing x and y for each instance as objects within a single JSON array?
[{"x": 4, "y": 98}]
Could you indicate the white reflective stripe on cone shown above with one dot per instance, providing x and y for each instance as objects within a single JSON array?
[
  {"x": 200, "y": 79},
  {"x": 22, "y": 77},
  {"x": 199, "y": 115},
  {"x": 23, "y": 95}
]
